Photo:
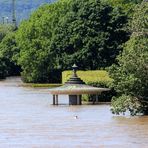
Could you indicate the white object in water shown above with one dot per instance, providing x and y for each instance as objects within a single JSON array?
[{"x": 75, "y": 117}]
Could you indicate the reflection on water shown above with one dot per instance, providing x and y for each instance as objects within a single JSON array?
[{"x": 28, "y": 120}]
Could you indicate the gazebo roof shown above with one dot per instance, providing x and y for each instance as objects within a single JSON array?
[
  {"x": 77, "y": 89},
  {"x": 76, "y": 86}
]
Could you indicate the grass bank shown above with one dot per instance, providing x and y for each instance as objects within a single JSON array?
[{"x": 40, "y": 85}]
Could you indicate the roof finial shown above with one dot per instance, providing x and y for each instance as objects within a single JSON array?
[
  {"x": 74, "y": 79},
  {"x": 75, "y": 67}
]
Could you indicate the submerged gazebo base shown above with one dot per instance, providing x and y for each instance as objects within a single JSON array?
[{"x": 73, "y": 100}]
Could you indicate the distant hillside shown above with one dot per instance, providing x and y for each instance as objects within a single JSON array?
[{"x": 23, "y": 8}]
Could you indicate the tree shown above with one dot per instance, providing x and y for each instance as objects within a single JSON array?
[
  {"x": 90, "y": 34},
  {"x": 4, "y": 30},
  {"x": 131, "y": 74},
  {"x": 34, "y": 37},
  {"x": 2, "y": 69},
  {"x": 9, "y": 52},
  {"x": 126, "y": 5},
  {"x": 57, "y": 35}
]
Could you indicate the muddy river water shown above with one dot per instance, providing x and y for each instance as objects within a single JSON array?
[{"x": 28, "y": 120}]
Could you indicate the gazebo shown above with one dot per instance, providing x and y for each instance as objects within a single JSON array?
[{"x": 75, "y": 88}]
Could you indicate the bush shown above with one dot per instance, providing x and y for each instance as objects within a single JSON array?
[
  {"x": 130, "y": 74},
  {"x": 128, "y": 103}
]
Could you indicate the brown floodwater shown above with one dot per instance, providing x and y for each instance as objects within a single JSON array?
[{"x": 28, "y": 120}]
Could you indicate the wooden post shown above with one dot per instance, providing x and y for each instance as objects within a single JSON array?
[
  {"x": 97, "y": 98},
  {"x": 53, "y": 99},
  {"x": 75, "y": 100},
  {"x": 79, "y": 101},
  {"x": 56, "y": 99},
  {"x": 94, "y": 99}
]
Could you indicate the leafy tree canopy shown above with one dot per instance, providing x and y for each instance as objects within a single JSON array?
[
  {"x": 126, "y": 5},
  {"x": 34, "y": 37},
  {"x": 5, "y": 29},
  {"x": 8, "y": 52},
  {"x": 131, "y": 74},
  {"x": 87, "y": 32},
  {"x": 90, "y": 34}
]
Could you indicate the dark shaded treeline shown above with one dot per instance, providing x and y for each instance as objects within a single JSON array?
[{"x": 89, "y": 33}]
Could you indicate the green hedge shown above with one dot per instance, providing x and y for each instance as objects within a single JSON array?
[
  {"x": 89, "y": 76},
  {"x": 40, "y": 85}
]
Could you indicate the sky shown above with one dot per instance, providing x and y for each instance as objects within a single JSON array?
[{"x": 23, "y": 9}]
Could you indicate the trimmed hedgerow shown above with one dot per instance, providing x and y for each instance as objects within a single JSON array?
[{"x": 88, "y": 76}]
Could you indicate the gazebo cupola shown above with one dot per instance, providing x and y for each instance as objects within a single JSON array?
[{"x": 74, "y": 79}]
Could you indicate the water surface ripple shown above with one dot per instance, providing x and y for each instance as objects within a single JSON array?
[{"x": 28, "y": 120}]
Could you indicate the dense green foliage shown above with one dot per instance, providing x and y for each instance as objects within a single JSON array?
[
  {"x": 2, "y": 69},
  {"x": 4, "y": 30},
  {"x": 127, "y": 103},
  {"x": 8, "y": 52},
  {"x": 89, "y": 33},
  {"x": 34, "y": 37},
  {"x": 131, "y": 74},
  {"x": 126, "y": 5},
  {"x": 6, "y": 67}
]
